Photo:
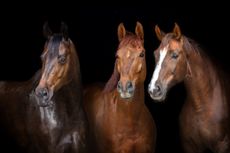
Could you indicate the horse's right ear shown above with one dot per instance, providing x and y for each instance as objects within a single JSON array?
[
  {"x": 121, "y": 32},
  {"x": 177, "y": 31},
  {"x": 139, "y": 30},
  {"x": 46, "y": 30},
  {"x": 160, "y": 34}
]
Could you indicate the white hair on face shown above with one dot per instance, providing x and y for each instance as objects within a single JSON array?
[{"x": 156, "y": 73}]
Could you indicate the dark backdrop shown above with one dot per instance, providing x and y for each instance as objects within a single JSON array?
[{"x": 93, "y": 29}]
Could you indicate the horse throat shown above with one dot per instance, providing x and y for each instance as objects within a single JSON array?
[
  {"x": 48, "y": 116},
  {"x": 130, "y": 108},
  {"x": 139, "y": 93}
]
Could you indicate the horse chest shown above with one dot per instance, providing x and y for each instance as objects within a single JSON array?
[
  {"x": 118, "y": 139},
  {"x": 45, "y": 117},
  {"x": 48, "y": 117},
  {"x": 117, "y": 130}
]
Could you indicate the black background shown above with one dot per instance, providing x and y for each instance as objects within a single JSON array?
[{"x": 93, "y": 29}]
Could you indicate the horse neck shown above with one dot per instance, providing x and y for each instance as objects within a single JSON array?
[
  {"x": 72, "y": 91},
  {"x": 202, "y": 84},
  {"x": 74, "y": 88}
]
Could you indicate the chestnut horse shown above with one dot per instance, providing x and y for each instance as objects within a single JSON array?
[
  {"x": 119, "y": 120},
  {"x": 204, "y": 120},
  {"x": 45, "y": 114}
]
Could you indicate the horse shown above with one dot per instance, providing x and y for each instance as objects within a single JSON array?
[
  {"x": 118, "y": 118},
  {"x": 45, "y": 114},
  {"x": 204, "y": 118}
]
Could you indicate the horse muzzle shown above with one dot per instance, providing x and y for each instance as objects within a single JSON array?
[
  {"x": 158, "y": 93},
  {"x": 44, "y": 95},
  {"x": 127, "y": 91}
]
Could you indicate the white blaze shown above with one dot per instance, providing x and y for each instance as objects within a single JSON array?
[{"x": 156, "y": 73}]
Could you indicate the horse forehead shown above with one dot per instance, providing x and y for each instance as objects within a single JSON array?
[
  {"x": 63, "y": 48},
  {"x": 51, "y": 46},
  {"x": 129, "y": 51},
  {"x": 174, "y": 44}
]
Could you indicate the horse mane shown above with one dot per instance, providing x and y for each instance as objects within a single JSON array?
[
  {"x": 35, "y": 79},
  {"x": 212, "y": 66},
  {"x": 112, "y": 83},
  {"x": 129, "y": 39},
  {"x": 192, "y": 45},
  {"x": 75, "y": 60}
]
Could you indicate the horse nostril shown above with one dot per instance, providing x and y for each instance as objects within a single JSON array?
[
  {"x": 157, "y": 88},
  {"x": 157, "y": 91},
  {"x": 129, "y": 86},
  {"x": 119, "y": 86},
  {"x": 150, "y": 91},
  {"x": 43, "y": 92}
]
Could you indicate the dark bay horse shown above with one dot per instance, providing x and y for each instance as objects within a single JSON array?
[
  {"x": 118, "y": 117},
  {"x": 45, "y": 114},
  {"x": 204, "y": 119}
]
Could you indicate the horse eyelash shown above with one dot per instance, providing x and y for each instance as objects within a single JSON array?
[
  {"x": 142, "y": 54},
  {"x": 62, "y": 59}
]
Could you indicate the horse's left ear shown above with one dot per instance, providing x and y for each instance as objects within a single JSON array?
[
  {"x": 159, "y": 33},
  {"x": 139, "y": 30},
  {"x": 177, "y": 31},
  {"x": 46, "y": 30},
  {"x": 64, "y": 30},
  {"x": 121, "y": 32}
]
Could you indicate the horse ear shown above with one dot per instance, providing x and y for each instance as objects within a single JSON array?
[
  {"x": 46, "y": 30},
  {"x": 121, "y": 32},
  {"x": 160, "y": 34},
  {"x": 64, "y": 30},
  {"x": 177, "y": 31},
  {"x": 139, "y": 30}
]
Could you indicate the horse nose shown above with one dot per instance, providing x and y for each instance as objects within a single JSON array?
[
  {"x": 42, "y": 92},
  {"x": 119, "y": 86},
  {"x": 149, "y": 90},
  {"x": 129, "y": 86},
  {"x": 157, "y": 91}
]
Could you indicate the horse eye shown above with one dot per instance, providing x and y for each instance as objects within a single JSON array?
[
  {"x": 174, "y": 55},
  {"x": 61, "y": 59},
  {"x": 142, "y": 54}
]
